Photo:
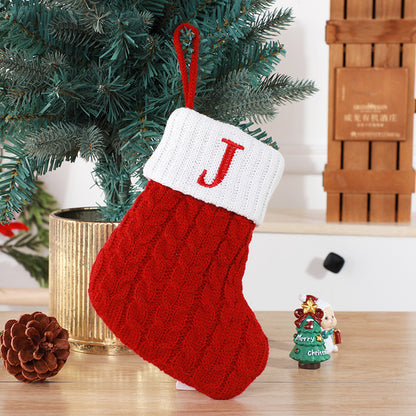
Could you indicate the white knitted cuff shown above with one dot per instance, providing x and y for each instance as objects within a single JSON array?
[{"x": 217, "y": 163}]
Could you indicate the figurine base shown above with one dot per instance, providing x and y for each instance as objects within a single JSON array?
[{"x": 309, "y": 366}]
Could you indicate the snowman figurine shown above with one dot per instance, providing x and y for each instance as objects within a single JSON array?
[{"x": 330, "y": 333}]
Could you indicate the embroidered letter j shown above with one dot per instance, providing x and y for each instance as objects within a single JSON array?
[{"x": 224, "y": 166}]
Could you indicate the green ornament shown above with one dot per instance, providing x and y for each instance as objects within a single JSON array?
[{"x": 309, "y": 349}]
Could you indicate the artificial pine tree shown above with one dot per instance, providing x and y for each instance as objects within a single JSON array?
[
  {"x": 98, "y": 80},
  {"x": 309, "y": 349}
]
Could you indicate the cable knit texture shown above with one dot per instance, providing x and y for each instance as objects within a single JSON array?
[{"x": 168, "y": 283}]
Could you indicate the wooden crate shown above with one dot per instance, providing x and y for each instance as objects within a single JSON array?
[{"x": 369, "y": 175}]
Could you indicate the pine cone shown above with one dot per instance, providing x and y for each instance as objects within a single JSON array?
[{"x": 35, "y": 347}]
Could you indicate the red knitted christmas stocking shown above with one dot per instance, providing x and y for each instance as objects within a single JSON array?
[{"x": 168, "y": 282}]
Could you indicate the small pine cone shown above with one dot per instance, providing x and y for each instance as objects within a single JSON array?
[{"x": 34, "y": 348}]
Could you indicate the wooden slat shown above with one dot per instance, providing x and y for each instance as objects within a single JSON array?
[
  {"x": 356, "y": 155},
  {"x": 371, "y": 181},
  {"x": 337, "y": 9},
  {"x": 333, "y": 204},
  {"x": 406, "y": 148},
  {"x": 336, "y": 58},
  {"x": 384, "y": 155},
  {"x": 364, "y": 31},
  {"x": 383, "y": 207},
  {"x": 409, "y": 9}
]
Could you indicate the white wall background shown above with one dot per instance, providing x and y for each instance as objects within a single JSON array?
[
  {"x": 280, "y": 266},
  {"x": 301, "y": 128}
]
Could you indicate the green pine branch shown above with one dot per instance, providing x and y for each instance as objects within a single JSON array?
[
  {"x": 153, "y": 48},
  {"x": 25, "y": 28},
  {"x": 98, "y": 80},
  {"x": 255, "y": 106},
  {"x": 20, "y": 67},
  {"x": 17, "y": 180},
  {"x": 259, "y": 59},
  {"x": 237, "y": 98},
  {"x": 65, "y": 140},
  {"x": 157, "y": 8},
  {"x": 112, "y": 96},
  {"x": 128, "y": 30},
  {"x": 118, "y": 190},
  {"x": 64, "y": 91},
  {"x": 67, "y": 29},
  {"x": 270, "y": 24},
  {"x": 258, "y": 6},
  {"x": 141, "y": 136},
  {"x": 284, "y": 89},
  {"x": 26, "y": 79},
  {"x": 16, "y": 97},
  {"x": 77, "y": 6}
]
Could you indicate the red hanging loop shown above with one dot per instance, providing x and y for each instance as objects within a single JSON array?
[{"x": 189, "y": 85}]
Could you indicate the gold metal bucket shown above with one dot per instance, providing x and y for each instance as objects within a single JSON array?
[{"x": 75, "y": 237}]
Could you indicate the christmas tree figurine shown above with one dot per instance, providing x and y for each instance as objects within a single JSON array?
[{"x": 309, "y": 349}]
